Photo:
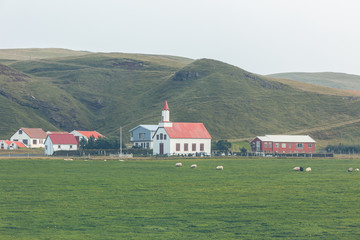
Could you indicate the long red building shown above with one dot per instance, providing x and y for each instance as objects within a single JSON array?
[{"x": 283, "y": 144}]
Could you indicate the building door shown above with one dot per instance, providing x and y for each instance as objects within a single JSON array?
[
  {"x": 161, "y": 148},
  {"x": 258, "y": 146}
]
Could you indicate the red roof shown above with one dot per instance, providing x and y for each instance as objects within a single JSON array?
[
  {"x": 187, "y": 130},
  {"x": 62, "y": 138},
  {"x": 88, "y": 134},
  {"x": 35, "y": 132},
  {"x": 166, "y": 107},
  {"x": 19, "y": 144},
  {"x": 57, "y": 132}
]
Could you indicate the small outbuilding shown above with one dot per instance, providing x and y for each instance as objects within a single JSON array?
[{"x": 60, "y": 142}]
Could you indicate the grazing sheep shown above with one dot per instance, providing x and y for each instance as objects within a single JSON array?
[
  {"x": 296, "y": 168},
  {"x": 179, "y": 164},
  {"x": 356, "y": 169},
  {"x": 308, "y": 169},
  {"x": 350, "y": 169},
  {"x": 219, "y": 168},
  {"x": 193, "y": 166},
  {"x": 301, "y": 169}
]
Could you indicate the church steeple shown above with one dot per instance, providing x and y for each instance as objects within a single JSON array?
[{"x": 165, "y": 116}]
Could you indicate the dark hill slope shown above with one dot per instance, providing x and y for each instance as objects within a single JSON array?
[
  {"x": 327, "y": 79},
  {"x": 234, "y": 103}
]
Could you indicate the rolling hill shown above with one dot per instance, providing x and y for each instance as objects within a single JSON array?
[
  {"x": 328, "y": 79},
  {"x": 63, "y": 89}
]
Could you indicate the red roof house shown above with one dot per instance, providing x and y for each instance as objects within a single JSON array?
[
  {"x": 11, "y": 145},
  {"x": 287, "y": 144},
  {"x": 60, "y": 142},
  {"x": 180, "y": 138}
]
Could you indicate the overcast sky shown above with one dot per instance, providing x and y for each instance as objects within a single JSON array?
[{"x": 261, "y": 36}]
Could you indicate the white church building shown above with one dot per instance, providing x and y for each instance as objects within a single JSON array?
[{"x": 180, "y": 138}]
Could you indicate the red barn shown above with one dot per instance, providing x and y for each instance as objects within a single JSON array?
[{"x": 283, "y": 144}]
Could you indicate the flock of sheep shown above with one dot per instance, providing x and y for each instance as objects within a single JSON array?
[
  {"x": 308, "y": 169},
  {"x": 179, "y": 164}
]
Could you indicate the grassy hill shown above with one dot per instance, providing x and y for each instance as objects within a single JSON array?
[
  {"x": 103, "y": 91},
  {"x": 327, "y": 79}
]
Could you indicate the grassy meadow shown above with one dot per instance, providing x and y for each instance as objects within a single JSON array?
[{"x": 152, "y": 199}]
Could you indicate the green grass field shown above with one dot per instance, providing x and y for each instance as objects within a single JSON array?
[{"x": 152, "y": 199}]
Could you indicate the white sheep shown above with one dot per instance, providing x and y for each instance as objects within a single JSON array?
[
  {"x": 356, "y": 169},
  {"x": 179, "y": 164},
  {"x": 219, "y": 168},
  {"x": 350, "y": 169},
  {"x": 296, "y": 168},
  {"x": 308, "y": 169},
  {"x": 193, "y": 166}
]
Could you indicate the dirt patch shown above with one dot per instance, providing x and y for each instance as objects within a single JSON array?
[{"x": 15, "y": 76}]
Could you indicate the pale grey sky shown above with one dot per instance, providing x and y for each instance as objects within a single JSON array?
[{"x": 260, "y": 36}]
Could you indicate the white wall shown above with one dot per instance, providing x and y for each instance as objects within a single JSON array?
[
  {"x": 170, "y": 145},
  {"x": 156, "y": 143},
  {"x": 181, "y": 141},
  {"x": 3, "y": 145},
  {"x": 48, "y": 147}
]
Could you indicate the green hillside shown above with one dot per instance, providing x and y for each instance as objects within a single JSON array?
[
  {"x": 104, "y": 91},
  {"x": 327, "y": 79}
]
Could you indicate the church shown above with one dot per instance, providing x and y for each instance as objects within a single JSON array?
[{"x": 180, "y": 138}]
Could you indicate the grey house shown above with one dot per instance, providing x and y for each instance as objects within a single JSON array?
[{"x": 141, "y": 136}]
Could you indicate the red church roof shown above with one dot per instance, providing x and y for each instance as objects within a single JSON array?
[
  {"x": 187, "y": 130},
  {"x": 63, "y": 138},
  {"x": 88, "y": 134},
  {"x": 35, "y": 132},
  {"x": 166, "y": 107}
]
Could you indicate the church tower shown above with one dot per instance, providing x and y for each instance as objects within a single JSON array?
[{"x": 165, "y": 116}]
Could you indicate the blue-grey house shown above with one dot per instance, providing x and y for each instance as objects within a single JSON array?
[{"x": 141, "y": 136}]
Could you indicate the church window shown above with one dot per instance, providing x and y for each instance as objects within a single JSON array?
[
  {"x": 178, "y": 147},
  {"x": 193, "y": 148},
  {"x": 201, "y": 147},
  {"x": 186, "y": 147},
  {"x": 161, "y": 136}
]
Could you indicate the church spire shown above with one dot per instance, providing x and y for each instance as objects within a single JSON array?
[
  {"x": 166, "y": 107},
  {"x": 165, "y": 116}
]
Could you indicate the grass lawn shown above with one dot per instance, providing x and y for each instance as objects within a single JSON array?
[{"x": 152, "y": 199}]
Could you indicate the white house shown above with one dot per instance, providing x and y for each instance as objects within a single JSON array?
[
  {"x": 180, "y": 138},
  {"x": 31, "y": 137},
  {"x": 60, "y": 142},
  {"x": 86, "y": 134},
  {"x": 142, "y": 136},
  {"x": 11, "y": 145}
]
